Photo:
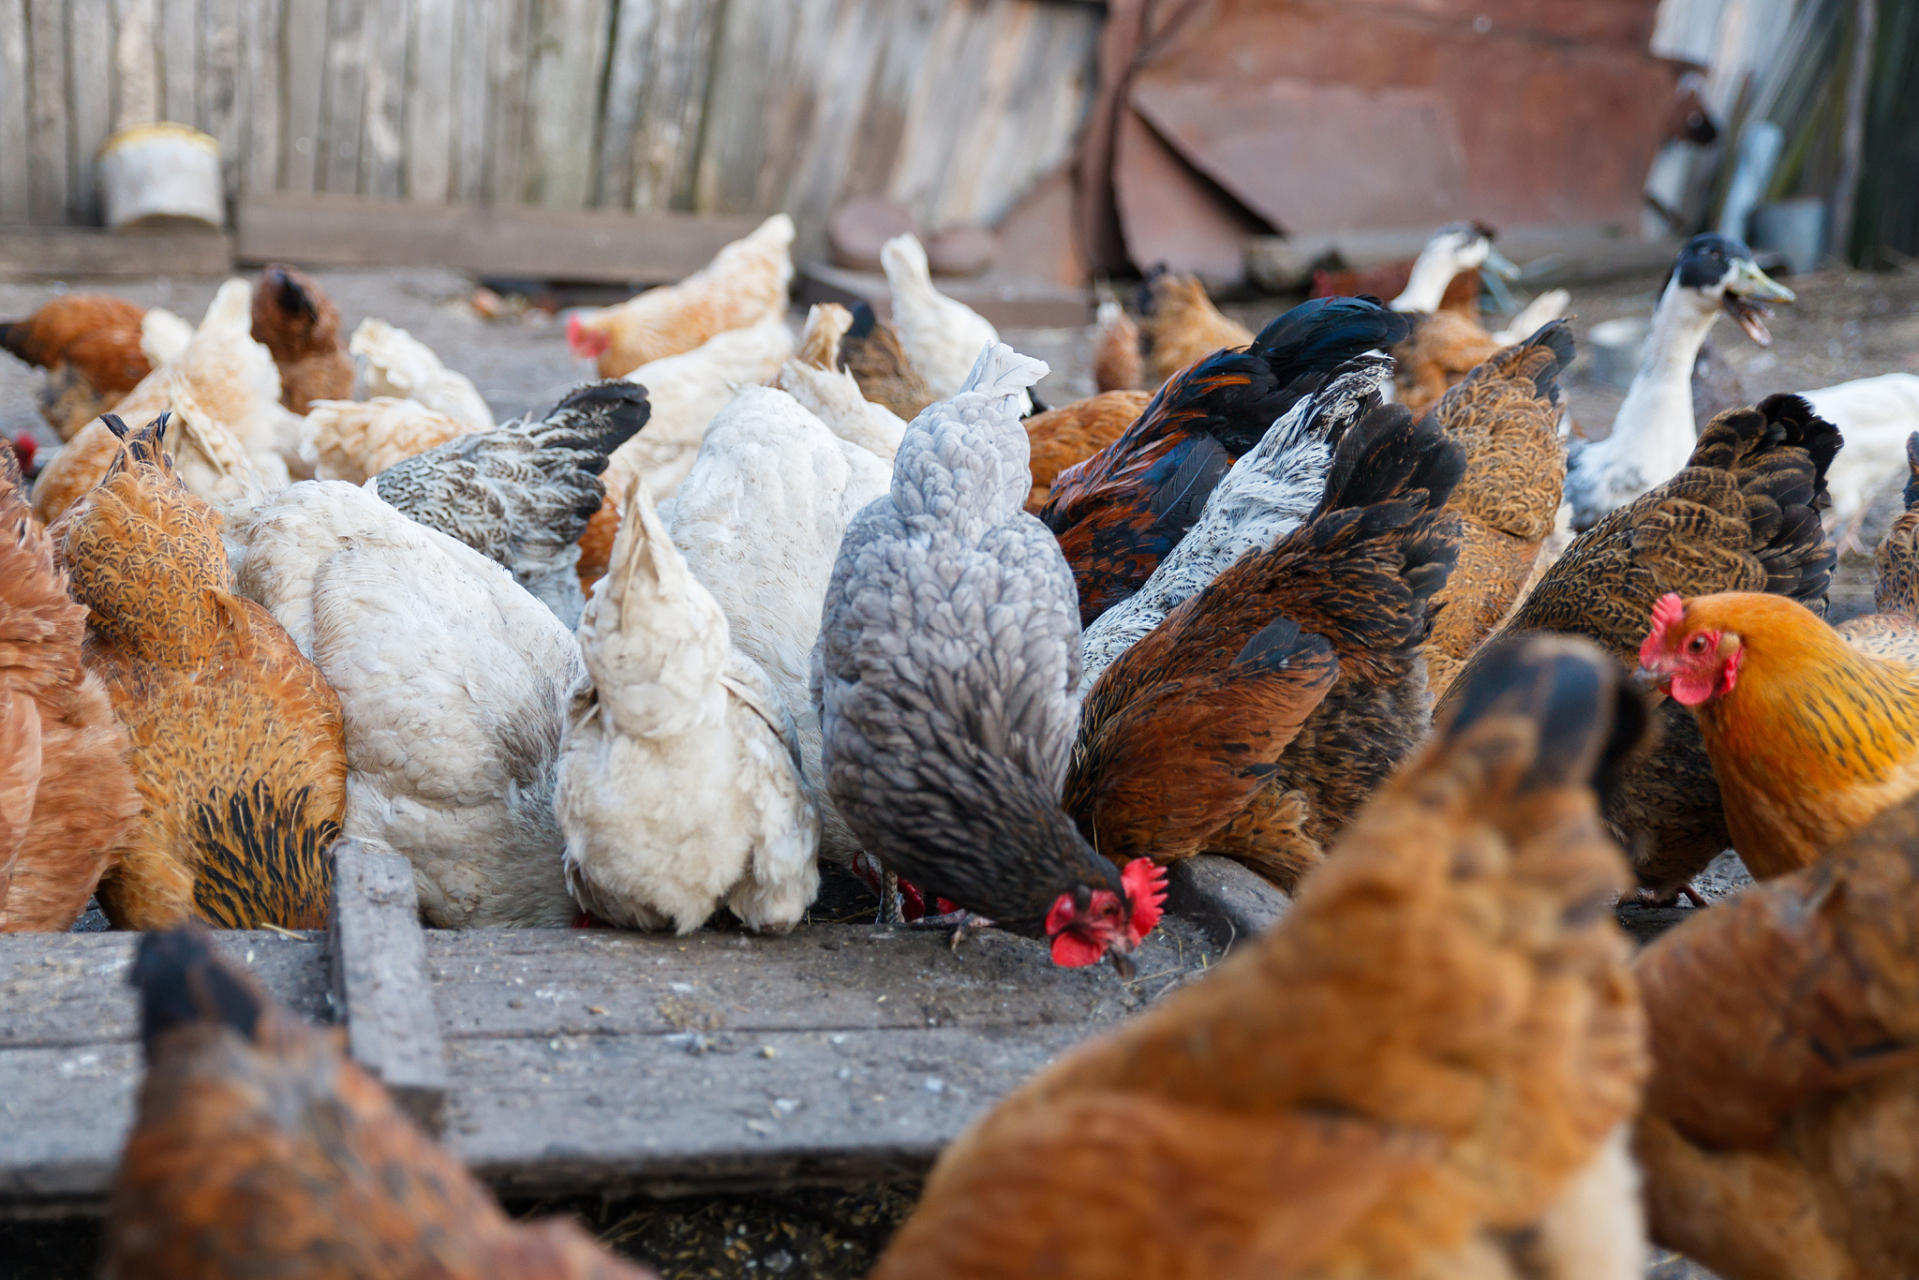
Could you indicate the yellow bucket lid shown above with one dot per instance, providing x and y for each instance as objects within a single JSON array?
[{"x": 157, "y": 130}]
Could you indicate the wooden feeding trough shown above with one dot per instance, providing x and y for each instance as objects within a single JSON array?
[{"x": 561, "y": 1062}]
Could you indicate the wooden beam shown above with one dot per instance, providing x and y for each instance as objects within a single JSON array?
[
  {"x": 377, "y": 960},
  {"x": 540, "y": 244},
  {"x": 28, "y": 253}
]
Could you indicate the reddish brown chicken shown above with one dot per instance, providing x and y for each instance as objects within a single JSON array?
[
  {"x": 1179, "y": 325},
  {"x": 259, "y": 1149},
  {"x": 89, "y": 344},
  {"x": 1119, "y": 512},
  {"x": 295, "y": 320},
  {"x": 1062, "y": 437}
]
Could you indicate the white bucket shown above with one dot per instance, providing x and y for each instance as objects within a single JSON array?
[{"x": 156, "y": 175}]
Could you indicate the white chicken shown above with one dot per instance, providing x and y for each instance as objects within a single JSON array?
[
  {"x": 759, "y": 521},
  {"x": 831, "y": 393},
  {"x": 401, "y": 366},
  {"x": 453, "y": 681},
  {"x": 353, "y": 440},
  {"x": 942, "y": 337},
  {"x": 680, "y": 786},
  {"x": 685, "y": 392},
  {"x": 163, "y": 336}
]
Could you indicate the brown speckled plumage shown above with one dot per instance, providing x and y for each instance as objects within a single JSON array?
[
  {"x": 872, "y": 353},
  {"x": 237, "y": 742}
]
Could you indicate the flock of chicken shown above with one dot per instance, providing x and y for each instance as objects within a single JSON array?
[{"x": 1328, "y": 599}]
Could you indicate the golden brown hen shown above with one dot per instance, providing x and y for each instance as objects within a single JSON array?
[
  {"x": 1781, "y": 1124},
  {"x": 295, "y": 320},
  {"x": 1443, "y": 348},
  {"x": 1059, "y": 438},
  {"x": 870, "y": 350},
  {"x": 83, "y": 796},
  {"x": 89, "y": 344},
  {"x": 238, "y": 747},
  {"x": 1179, "y": 325},
  {"x": 1117, "y": 365},
  {"x": 1423, "y": 1071},
  {"x": 1743, "y": 515},
  {"x": 1505, "y": 415},
  {"x": 259, "y": 1149}
]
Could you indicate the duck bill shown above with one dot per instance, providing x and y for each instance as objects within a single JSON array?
[
  {"x": 1747, "y": 297},
  {"x": 1500, "y": 265}
]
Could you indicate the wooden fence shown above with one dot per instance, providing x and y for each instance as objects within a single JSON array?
[{"x": 725, "y": 106}]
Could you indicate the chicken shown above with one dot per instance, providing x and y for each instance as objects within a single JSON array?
[
  {"x": 1263, "y": 497},
  {"x": 1444, "y": 348},
  {"x": 942, "y": 338},
  {"x": 401, "y": 366},
  {"x": 237, "y": 743},
  {"x": 59, "y": 731},
  {"x": 596, "y": 541},
  {"x": 1063, "y": 437},
  {"x": 259, "y": 1148},
  {"x": 680, "y": 787},
  {"x": 1179, "y": 326},
  {"x": 1778, "y": 1140},
  {"x": 944, "y": 673},
  {"x": 1120, "y": 511},
  {"x": 1117, "y": 365},
  {"x": 871, "y": 352},
  {"x": 231, "y": 436},
  {"x": 298, "y": 323},
  {"x": 355, "y": 440},
  {"x": 1743, "y": 515},
  {"x": 1654, "y": 431},
  {"x": 745, "y": 285},
  {"x": 521, "y": 494},
  {"x": 1185, "y": 738},
  {"x": 1809, "y": 737},
  {"x": 1424, "y": 1070},
  {"x": 685, "y": 392},
  {"x": 1505, "y": 415},
  {"x": 813, "y": 377},
  {"x": 89, "y": 344},
  {"x": 454, "y": 681},
  {"x": 759, "y": 521}
]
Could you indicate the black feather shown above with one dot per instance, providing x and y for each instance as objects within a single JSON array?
[
  {"x": 181, "y": 981},
  {"x": 864, "y": 319}
]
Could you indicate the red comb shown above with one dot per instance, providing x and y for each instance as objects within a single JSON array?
[
  {"x": 1145, "y": 884},
  {"x": 1667, "y": 611},
  {"x": 586, "y": 343}
]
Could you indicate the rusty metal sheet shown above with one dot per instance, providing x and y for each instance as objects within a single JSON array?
[
  {"x": 1388, "y": 157},
  {"x": 1171, "y": 214}
]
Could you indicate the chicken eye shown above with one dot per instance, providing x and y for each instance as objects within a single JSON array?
[{"x": 1697, "y": 644}]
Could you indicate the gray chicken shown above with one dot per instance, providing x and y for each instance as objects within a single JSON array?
[
  {"x": 948, "y": 654},
  {"x": 521, "y": 494}
]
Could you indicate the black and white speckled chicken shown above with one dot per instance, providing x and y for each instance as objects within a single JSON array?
[{"x": 521, "y": 494}]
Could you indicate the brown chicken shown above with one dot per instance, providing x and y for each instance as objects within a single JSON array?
[
  {"x": 1423, "y": 1071},
  {"x": 1117, "y": 365},
  {"x": 1259, "y": 715},
  {"x": 871, "y": 352},
  {"x": 1060, "y": 438},
  {"x": 1389, "y": 280},
  {"x": 1743, "y": 515},
  {"x": 83, "y": 797},
  {"x": 1179, "y": 325},
  {"x": 238, "y": 746},
  {"x": 19, "y": 779},
  {"x": 1781, "y": 1126},
  {"x": 1443, "y": 348},
  {"x": 1505, "y": 415},
  {"x": 258, "y": 1148},
  {"x": 295, "y": 320},
  {"x": 89, "y": 344}
]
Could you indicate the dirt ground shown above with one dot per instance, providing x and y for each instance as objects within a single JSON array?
[{"x": 1846, "y": 325}]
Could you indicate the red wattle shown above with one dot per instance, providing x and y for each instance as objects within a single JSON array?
[{"x": 1070, "y": 951}]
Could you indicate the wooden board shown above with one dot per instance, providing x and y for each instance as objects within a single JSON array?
[
  {"x": 91, "y": 62},
  {"x": 59, "y": 252},
  {"x": 15, "y": 113},
  {"x": 47, "y": 110},
  {"x": 335, "y": 231}
]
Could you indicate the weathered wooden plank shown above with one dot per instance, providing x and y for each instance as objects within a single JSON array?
[
  {"x": 665, "y": 143},
  {"x": 881, "y": 127},
  {"x": 567, "y": 66},
  {"x": 383, "y": 142},
  {"x": 90, "y": 101},
  {"x": 429, "y": 132},
  {"x": 47, "y": 116},
  {"x": 220, "y": 91},
  {"x": 180, "y": 60},
  {"x": 15, "y": 182},
  {"x": 470, "y": 110},
  {"x": 836, "y": 75},
  {"x": 549, "y": 244},
  {"x": 60, "y": 252},
  {"x": 750, "y": 59},
  {"x": 380, "y": 989},
  {"x": 346, "y": 52},
  {"x": 260, "y": 84},
  {"x": 136, "y": 63},
  {"x": 303, "y": 34},
  {"x": 629, "y": 59},
  {"x": 509, "y": 34}
]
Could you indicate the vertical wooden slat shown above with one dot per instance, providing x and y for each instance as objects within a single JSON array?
[
  {"x": 665, "y": 145},
  {"x": 749, "y": 72},
  {"x": 470, "y": 71},
  {"x": 875, "y": 146},
  {"x": 180, "y": 60},
  {"x": 303, "y": 38},
  {"x": 220, "y": 90},
  {"x": 47, "y": 127},
  {"x": 15, "y": 184},
  {"x": 90, "y": 107},
  {"x": 510, "y": 26},
  {"x": 136, "y": 63},
  {"x": 383, "y": 145},
  {"x": 263, "y": 89},
  {"x": 567, "y": 63},
  {"x": 345, "y": 96},
  {"x": 841, "y": 73},
  {"x": 429, "y": 117},
  {"x": 629, "y": 66}
]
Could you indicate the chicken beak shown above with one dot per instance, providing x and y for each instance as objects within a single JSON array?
[
  {"x": 1652, "y": 680},
  {"x": 1747, "y": 296},
  {"x": 1122, "y": 963}
]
